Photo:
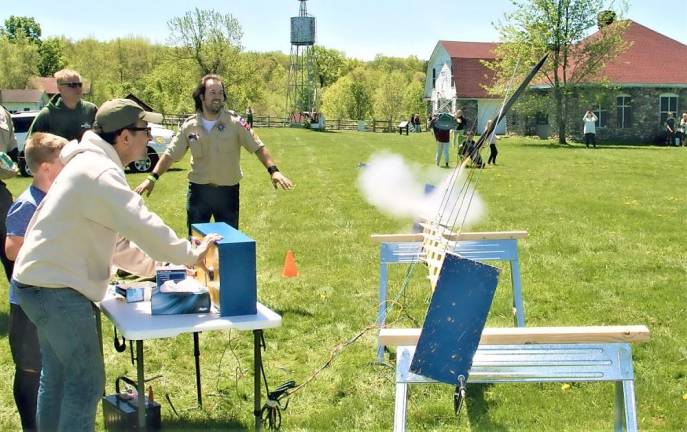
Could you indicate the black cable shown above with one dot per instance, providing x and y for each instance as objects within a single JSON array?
[
  {"x": 119, "y": 346},
  {"x": 271, "y": 411}
]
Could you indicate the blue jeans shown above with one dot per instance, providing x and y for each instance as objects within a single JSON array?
[
  {"x": 442, "y": 148},
  {"x": 73, "y": 376}
]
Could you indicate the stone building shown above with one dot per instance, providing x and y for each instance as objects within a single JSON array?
[{"x": 641, "y": 86}]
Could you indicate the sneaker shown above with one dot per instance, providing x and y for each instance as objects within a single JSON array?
[{"x": 446, "y": 165}]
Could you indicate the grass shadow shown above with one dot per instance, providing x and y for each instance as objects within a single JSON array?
[
  {"x": 294, "y": 311},
  {"x": 4, "y": 323},
  {"x": 477, "y": 408},
  {"x": 580, "y": 146},
  {"x": 203, "y": 425}
]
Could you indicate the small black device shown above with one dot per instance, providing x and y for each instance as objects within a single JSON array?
[{"x": 121, "y": 413}]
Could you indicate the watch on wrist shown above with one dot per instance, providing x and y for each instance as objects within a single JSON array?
[{"x": 272, "y": 169}]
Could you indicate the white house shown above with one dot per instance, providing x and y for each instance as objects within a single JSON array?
[{"x": 463, "y": 59}]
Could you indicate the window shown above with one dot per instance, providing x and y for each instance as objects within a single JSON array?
[
  {"x": 668, "y": 104},
  {"x": 434, "y": 77},
  {"x": 624, "y": 111},
  {"x": 601, "y": 115}
]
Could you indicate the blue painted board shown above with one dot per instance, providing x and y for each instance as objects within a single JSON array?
[
  {"x": 237, "y": 270},
  {"x": 455, "y": 319}
]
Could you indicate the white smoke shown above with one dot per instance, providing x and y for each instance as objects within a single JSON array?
[{"x": 395, "y": 187}]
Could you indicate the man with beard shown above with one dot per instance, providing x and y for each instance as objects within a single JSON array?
[{"x": 215, "y": 137}]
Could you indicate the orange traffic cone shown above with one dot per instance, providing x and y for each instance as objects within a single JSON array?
[{"x": 290, "y": 269}]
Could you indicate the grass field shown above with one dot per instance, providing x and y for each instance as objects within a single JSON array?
[{"x": 606, "y": 246}]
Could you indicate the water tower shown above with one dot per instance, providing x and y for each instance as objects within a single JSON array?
[{"x": 300, "y": 95}]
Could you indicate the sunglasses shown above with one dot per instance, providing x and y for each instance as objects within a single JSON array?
[
  {"x": 147, "y": 129},
  {"x": 72, "y": 85}
]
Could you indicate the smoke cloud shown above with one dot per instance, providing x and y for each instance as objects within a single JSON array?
[{"x": 398, "y": 189}]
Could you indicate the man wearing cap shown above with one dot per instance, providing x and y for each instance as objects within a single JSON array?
[
  {"x": 215, "y": 137},
  {"x": 68, "y": 250},
  {"x": 66, "y": 115},
  {"x": 8, "y": 145}
]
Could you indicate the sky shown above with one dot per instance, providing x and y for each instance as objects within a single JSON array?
[{"x": 359, "y": 28}]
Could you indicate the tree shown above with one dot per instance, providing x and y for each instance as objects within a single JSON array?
[
  {"x": 209, "y": 37},
  {"x": 52, "y": 57},
  {"x": 412, "y": 97},
  {"x": 388, "y": 97},
  {"x": 26, "y": 25},
  {"x": 331, "y": 65},
  {"x": 19, "y": 60},
  {"x": 349, "y": 97},
  {"x": 562, "y": 28}
]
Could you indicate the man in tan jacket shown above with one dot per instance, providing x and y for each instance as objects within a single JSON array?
[
  {"x": 215, "y": 137},
  {"x": 69, "y": 247}
]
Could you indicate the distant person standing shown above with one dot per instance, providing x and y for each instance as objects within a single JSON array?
[
  {"x": 443, "y": 138},
  {"x": 67, "y": 115},
  {"x": 416, "y": 123},
  {"x": 249, "y": 116},
  {"x": 683, "y": 128},
  {"x": 493, "y": 151},
  {"x": 589, "y": 120},
  {"x": 670, "y": 129},
  {"x": 459, "y": 130}
]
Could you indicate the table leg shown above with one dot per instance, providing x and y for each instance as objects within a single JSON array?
[
  {"x": 257, "y": 363},
  {"x": 196, "y": 353},
  {"x": 141, "y": 386}
]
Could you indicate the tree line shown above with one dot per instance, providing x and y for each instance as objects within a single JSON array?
[{"x": 207, "y": 41}]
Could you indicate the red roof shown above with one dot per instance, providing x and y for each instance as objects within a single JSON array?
[
  {"x": 468, "y": 72},
  {"x": 47, "y": 84},
  {"x": 21, "y": 96},
  {"x": 652, "y": 59},
  {"x": 479, "y": 50}
]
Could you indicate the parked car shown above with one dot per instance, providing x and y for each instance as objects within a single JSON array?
[
  {"x": 161, "y": 137},
  {"x": 22, "y": 122}
]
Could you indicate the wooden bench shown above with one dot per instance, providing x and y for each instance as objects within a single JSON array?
[
  {"x": 543, "y": 354},
  {"x": 480, "y": 246}
]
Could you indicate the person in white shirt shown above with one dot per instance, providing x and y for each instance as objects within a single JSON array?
[{"x": 589, "y": 120}]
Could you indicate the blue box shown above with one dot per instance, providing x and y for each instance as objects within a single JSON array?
[
  {"x": 233, "y": 275},
  {"x": 135, "y": 291},
  {"x": 173, "y": 303}
]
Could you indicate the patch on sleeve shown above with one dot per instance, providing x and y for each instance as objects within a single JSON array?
[{"x": 244, "y": 123}]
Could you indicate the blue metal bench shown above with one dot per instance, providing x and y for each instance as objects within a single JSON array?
[
  {"x": 537, "y": 355},
  {"x": 480, "y": 246}
]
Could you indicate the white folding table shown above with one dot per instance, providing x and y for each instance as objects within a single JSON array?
[{"x": 135, "y": 322}]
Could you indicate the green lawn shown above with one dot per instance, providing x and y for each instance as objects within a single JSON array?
[{"x": 606, "y": 246}]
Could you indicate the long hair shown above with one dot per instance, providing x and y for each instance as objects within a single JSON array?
[{"x": 200, "y": 90}]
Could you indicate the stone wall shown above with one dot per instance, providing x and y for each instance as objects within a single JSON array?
[{"x": 645, "y": 126}]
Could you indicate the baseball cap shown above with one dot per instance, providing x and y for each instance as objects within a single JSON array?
[{"x": 117, "y": 114}]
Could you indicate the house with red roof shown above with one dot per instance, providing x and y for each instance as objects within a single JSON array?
[
  {"x": 641, "y": 87},
  {"x": 23, "y": 100}
]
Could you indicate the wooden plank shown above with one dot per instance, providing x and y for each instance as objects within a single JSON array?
[
  {"x": 497, "y": 235},
  {"x": 532, "y": 335}
]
